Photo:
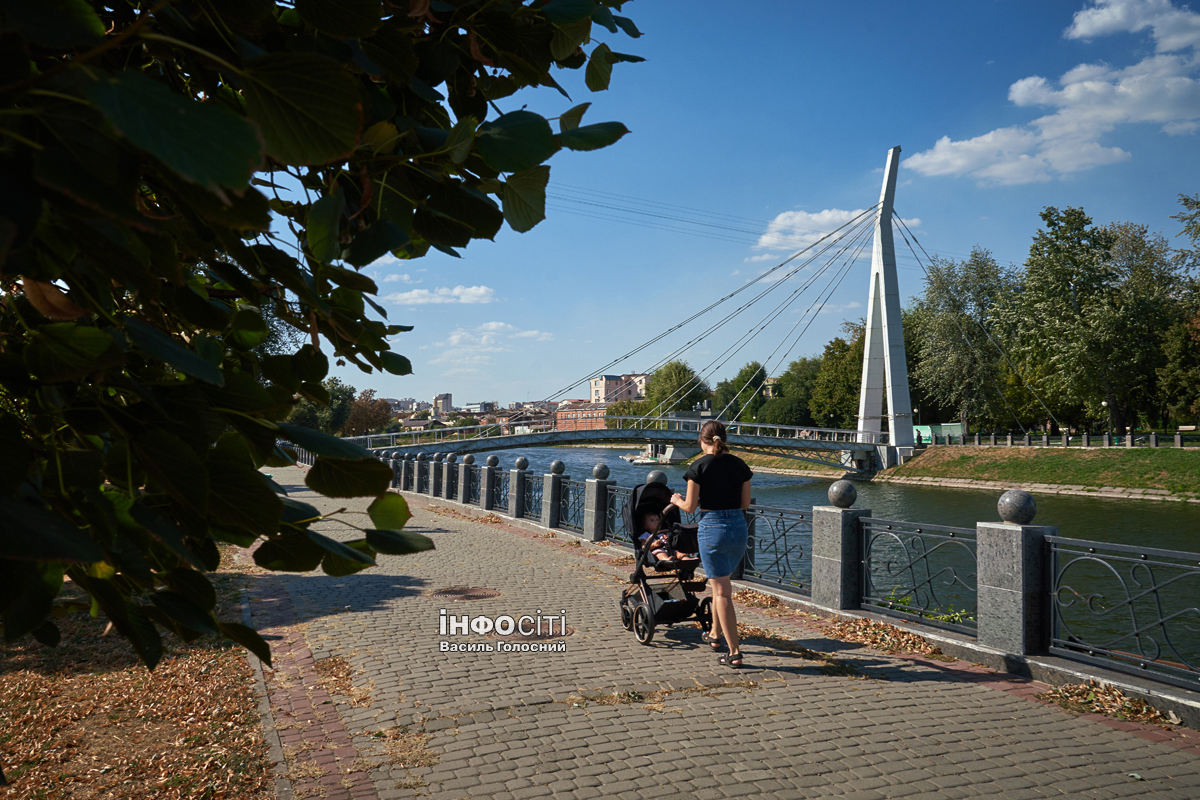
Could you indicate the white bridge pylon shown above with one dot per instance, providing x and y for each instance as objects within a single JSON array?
[{"x": 885, "y": 368}]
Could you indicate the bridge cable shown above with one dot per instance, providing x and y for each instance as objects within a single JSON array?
[{"x": 709, "y": 369}]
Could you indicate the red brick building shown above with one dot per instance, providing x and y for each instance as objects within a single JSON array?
[{"x": 580, "y": 415}]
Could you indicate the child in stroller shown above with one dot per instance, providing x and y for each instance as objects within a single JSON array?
[
  {"x": 663, "y": 587},
  {"x": 650, "y": 522}
]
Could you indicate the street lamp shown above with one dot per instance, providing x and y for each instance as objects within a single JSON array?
[
  {"x": 1104, "y": 403},
  {"x": 917, "y": 411}
]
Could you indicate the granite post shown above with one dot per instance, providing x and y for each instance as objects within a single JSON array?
[
  {"x": 595, "y": 504},
  {"x": 552, "y": 494},
  {"x": 1014, "y": 599},
  {"x": 837, "y": 551}
]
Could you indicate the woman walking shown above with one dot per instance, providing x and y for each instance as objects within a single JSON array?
[{"x": 718, "y": 483}]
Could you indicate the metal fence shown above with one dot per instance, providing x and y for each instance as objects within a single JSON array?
[
  {"x": 615, "y": 528},
  {"x": 924, "y": 572},
  {"x": 500, "y": 490},
  {"x": 1127, "y": 608},
  {"x": 422, "y": 477},
  {"x": 780, "y": 547},
  {"x": 570, "y": 509},
  {"x": 534, "y": 488},
  {"x": 474, "y": 479},
  {"x": 450, "y": 484}
]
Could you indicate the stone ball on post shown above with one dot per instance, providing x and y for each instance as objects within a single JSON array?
[
  {"x": 468, "y": 459},
  {"x": 600, "y": 471},
  {"x": 493, "y": 461},
  {"x": 522, "y": 463},
  {"x": 656, "y": 476},
  {"x": 452, "y": 457},
  {"x": 843, "y": 494},
  {"x": 1017, "y": 507},
  {"x": 558, "y": 467},
  {"x": 438, "y": 457},
  {"x": 421, "y": 456}
]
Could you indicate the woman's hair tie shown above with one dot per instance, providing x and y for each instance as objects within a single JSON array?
[{"x": 716, "y": 438}]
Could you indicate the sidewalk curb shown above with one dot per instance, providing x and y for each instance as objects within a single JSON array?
[{"x": 283, "y": 784}]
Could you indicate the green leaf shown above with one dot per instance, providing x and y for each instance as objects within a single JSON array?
[
  {"x": 310, "y": 364},
  {"x": 193, "y": 585},
  {"x": 339, "y": 567},
  {"x": 626, "y": 24},
  {"x": 604, "y": 17},
  {"x": 340, "y": 549},
  {"x": 568, "y": 37},
  {"x": 570, "y": 120},
  {"x": 173, "y": 465},
  {"x": 515, "y": 141},
  {"x": 184, "y": 611},
  {"x": 31, "y": 533},
  {"x": 56, "y": 24},
  {"x": 460, "y": 139},
  {"x": 322, "y": 444},
  {"x": 563, "y": 11},
  {"x": 48, "y": 634},
  {"x": 342, "y": 19},
  {"x": 336, "y": 477},
  {"x": 323, "y": 226},
  {"x": 394, "y": 363},
  {"x": 166, "y": 532},
  {"x": 17, "y": 456},
  {"x": 163, "y": 347},
  {"x": 247, "y": 638},
  {"x": 204, "y": 143},
  {"x": 290, "y": 552},
  {"x": 471, "y": 208},
  {"x": 128, "y": 618},
  {"x": 599, "y": 69},
  {"x": 380, "y": 238},
  {"x": 525, "y": 198},
  {"x": 351, "y": 279},
  {"x": 307, "y": 106},
  {"x": 296, "y": 512},
  {"x": 31, "y": 589},
  {"x": 593, "y": 137},
  {"x": 398, "y": 543},
  {"x": 389, "y": 510},
  {"x": 237, "y": 496},
  {"x": 64, "y": 351},
  {"x": 248, "y": 328}
]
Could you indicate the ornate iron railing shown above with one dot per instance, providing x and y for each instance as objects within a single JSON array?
[
  {"x": 422, "y": 477},
  {"x": 534, "y": 488},
  {"x": 408, "y": 476},
  {"x": 780, "y": 547},
  {"x": 924, "y": 572},
  {"x": 450, "y": 483},
  {"x": 1127, "y": 608},
  {"x": 500, "y": 490},
  {"x": 614, "y": 526},
  {"x": 570, "y": 509},
  {"x": 474, "y": 479}
]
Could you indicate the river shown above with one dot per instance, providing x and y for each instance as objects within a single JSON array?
[{"x": 1147, "y": 523}]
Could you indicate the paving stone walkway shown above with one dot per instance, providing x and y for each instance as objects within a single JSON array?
[{"x": 610, "y": 717}]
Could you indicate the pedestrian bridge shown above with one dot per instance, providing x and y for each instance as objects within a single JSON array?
[{"x": 845, "y": 449}]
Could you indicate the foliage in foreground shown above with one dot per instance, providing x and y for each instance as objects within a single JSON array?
[{"x": 147, "y": 152}]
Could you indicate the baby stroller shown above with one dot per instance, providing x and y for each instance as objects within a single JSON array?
[{"x": 661, "y": 591}]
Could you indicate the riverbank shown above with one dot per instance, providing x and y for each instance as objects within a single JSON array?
[{"x": 1165, "y": 474}]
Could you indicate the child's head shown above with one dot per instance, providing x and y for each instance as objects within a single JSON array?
[{"x": 651, "y": 521}]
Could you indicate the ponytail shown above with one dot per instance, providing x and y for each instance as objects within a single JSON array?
[{"x": 713, "y": 433}]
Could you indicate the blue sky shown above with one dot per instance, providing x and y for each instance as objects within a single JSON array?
[{"x": 772, "y": 121}]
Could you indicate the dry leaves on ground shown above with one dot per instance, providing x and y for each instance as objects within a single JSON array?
[
  {"x": 884, "y": 638},
  {"x": 749, "y": 597},
  {"x": 338, "y": 678},
  {"x": 86, "y": 720},
  {"x": 1098, "y": 698}
]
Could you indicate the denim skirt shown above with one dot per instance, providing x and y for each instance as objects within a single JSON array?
[{"x": 722, "y": 537}]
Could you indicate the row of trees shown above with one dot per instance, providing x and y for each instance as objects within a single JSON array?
[{"x": 1099, "y": 320}]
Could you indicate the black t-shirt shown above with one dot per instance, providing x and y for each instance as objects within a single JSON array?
[{"x": 720, "y": 479}]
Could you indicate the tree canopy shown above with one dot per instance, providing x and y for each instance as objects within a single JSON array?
[
  {"x": 175, "y": 176},
  {"x": 674, "y": 387}
]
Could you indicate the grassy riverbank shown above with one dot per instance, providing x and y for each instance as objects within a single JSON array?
[{"x": 1167, "y": 469}]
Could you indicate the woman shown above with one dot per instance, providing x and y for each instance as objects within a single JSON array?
[{"x": 718, "y": 483}]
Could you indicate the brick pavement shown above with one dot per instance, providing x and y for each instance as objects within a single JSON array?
[{"x": 524, "y": 725}]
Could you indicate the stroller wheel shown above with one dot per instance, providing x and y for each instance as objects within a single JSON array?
[
  {"x": 643, "y": 623},
  {"x": 704, "y": 614},
  {"x": 626, "y": 617}
]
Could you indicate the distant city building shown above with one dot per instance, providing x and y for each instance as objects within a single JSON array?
[
  {"x": 580, "y": 415},
  {"x": 610, "y": 388},
  {"x": 443, "y": 403},
  {"x": 482, "y": 407},
  {"x": 401, "y": 406},
  {"x": 422, "y": 406},
  {"x": 771, "y": 388}
]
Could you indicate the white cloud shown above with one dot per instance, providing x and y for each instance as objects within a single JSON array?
[
  {"x": 1087, "y": 102},
  {"x": 841, "y": 309},
  {"x": 478, "y": 345},
  {"x": 795, "y": 230},
  {"x": 762, "y": 257},
  {"x": 443, "y": 294},
  {"x": 393, "y": 278}
]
